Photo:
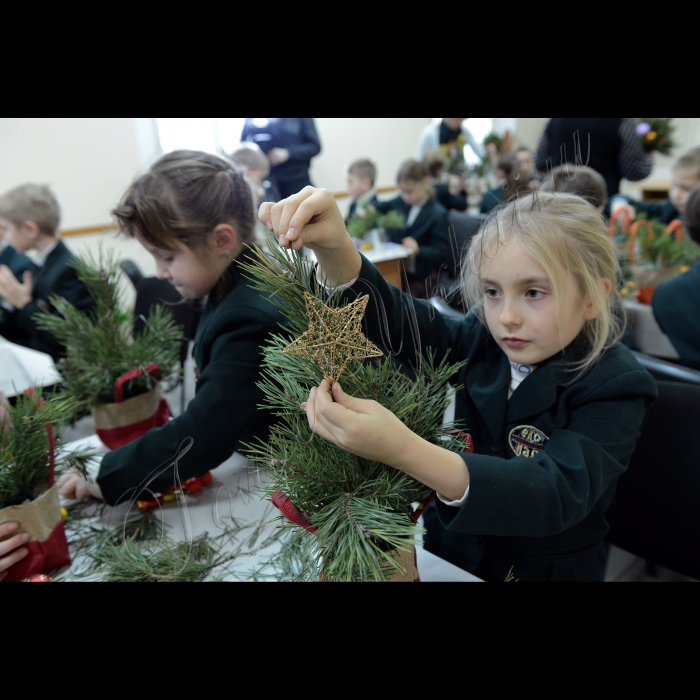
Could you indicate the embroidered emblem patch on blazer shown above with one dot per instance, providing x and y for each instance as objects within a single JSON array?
[{"x": 527, "y": 441}]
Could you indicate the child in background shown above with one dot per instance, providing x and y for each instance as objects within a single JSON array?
[
  {"x": 553, "y": 402},
  {"x": 450, "y": 190},
  {"x": 676, "y": 302},
  {"x": 685, "y": 176},
  {"x": 514, "y": 180},
  {"x": 30, "y": 215},
  {"x": 256, "y": 167},
  {"x": 426, "y": 223},
  {"x": 580, "y": 180},
  {"x": 360, "y": 178},
  {"x": 194, "y": 213}
]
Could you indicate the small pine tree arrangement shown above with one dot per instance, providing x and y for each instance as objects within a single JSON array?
[
  {"x": 100, "y": 345},
  {"x": 28, "y": 436},
  {"x": 359, "y": 226},
  {"x": 362, "y": 510}
]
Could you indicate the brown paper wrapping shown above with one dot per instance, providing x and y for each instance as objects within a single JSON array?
[
  {"x": 38, "y": 517},
  {"x": 134, "y": 410}
]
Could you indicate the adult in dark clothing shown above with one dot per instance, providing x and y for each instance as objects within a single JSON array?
[
  {"x": 615, "y": 149},
  {"x": 675, "y": 302},
  {"x": 289, "y": 143},
  {"x": 30, "y": 215}
]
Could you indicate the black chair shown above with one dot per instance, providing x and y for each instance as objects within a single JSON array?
[
  {"x": 151, "y": 291},
  {"x": 655, "y": 514},
  {"x": 132, "y": 271},
  {"x": 463, "y": 226},
  {"x": 667, "y": 371}
]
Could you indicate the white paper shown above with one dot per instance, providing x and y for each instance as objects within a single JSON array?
[{"x": 21, "y": 368}]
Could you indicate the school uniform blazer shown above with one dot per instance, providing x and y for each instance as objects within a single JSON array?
[
  {"x": 675, "y": 305},
  {"x": 373, "y": 202},
  {"x": 458, "y": 202},
  {"x": 429, "y": 230},
  {"x": 664, "y": 211},
  {"x": 223, "y": 415},
  {"x": 56, "y": 276},
  {"x": 546, "y": 462}
]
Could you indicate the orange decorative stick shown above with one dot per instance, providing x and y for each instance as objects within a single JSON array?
[
  {"x": 633, "y": 235},
  {"x": 675, "y": 225},
  {"x": 620, "y": 213}
]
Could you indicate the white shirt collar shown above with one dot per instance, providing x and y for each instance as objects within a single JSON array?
[
  {"x": 364, "y": 198},
  {"x": 518, "y": 373},
  {"x": 40, "y": 259}
]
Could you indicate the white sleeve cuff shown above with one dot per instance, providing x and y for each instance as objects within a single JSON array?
[
  {"x": 93, "y": 469},
  {"x": 454, "y": 504}
]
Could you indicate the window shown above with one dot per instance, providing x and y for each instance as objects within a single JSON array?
[
  {"x": 480, "y": 128},
  {"x": 213, "y": 135}
]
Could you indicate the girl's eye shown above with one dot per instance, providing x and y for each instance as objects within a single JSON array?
[
  {"x": 534, "y": 294},
  {"x": 490, "y": 292},
  {"x": 167, "y": 260}
]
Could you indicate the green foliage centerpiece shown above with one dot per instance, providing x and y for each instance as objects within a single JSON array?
[
  {"x": 107, "y": 369},
  {"x": 370, "y": 218},
  {"x": 358, "y": 515}
]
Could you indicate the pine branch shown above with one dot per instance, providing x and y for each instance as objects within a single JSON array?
[
  {"x": 100, "y": 346},
  {"x": 362, "y": 508}
]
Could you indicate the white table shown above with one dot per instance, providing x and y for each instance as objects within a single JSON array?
[
  {"x": 648, "y": 337},
  {"x": 235, "y": 493},
  {"x": 387, "y": 258},
  {"x": 22, "y": 367}
]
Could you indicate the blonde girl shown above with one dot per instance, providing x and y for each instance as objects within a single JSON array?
[{"x": 554, "y": 403}]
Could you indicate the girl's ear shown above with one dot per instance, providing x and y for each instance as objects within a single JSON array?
[
  {"x": 591, "y": 311},
  {"x": 226, "y": 240}
]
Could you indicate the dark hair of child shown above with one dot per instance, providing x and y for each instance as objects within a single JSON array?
[{"x": 580, "y": 180}]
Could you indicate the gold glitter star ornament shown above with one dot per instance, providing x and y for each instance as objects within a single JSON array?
[{"x": 334, "y": 337}]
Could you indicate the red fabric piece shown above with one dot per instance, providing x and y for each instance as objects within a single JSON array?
[
  {"x": 116, "y": 437},
  {"x": 43, "y": 557},
  {"x": 153, "y": 368},
  {"x": 281, "y": 501}
]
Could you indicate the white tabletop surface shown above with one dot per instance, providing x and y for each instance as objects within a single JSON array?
[
  {"x": 22, "y": 367},
  {"x": 649, "y": 338},
  {"x": 235, "y": 493},
  {"x": 388, "y": 251}
]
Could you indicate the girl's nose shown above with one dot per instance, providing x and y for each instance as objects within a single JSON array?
[{"x": 509, "y": 316}]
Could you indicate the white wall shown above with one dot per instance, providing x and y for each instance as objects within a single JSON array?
[
  {"x": 87, "y": 162},
  {"x": 387, "y": 142}
]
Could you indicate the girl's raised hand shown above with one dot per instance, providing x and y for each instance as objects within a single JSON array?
[
  {"x": 360, "y": 426},
  {"x": 312, "y": 219}
]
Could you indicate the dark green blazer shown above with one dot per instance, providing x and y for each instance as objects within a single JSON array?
[
  {"x": 56, "y": 276},
  {"x": 543, "y": 514},
  {"x": 675, "y": 305},
  {"x": 18, "y": 263},
  {"x": 430, "y": 231},
  {"x": 223, "y": 415}
]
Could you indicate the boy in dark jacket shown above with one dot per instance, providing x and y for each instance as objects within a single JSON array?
[{"x": 30, "y": 215}]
